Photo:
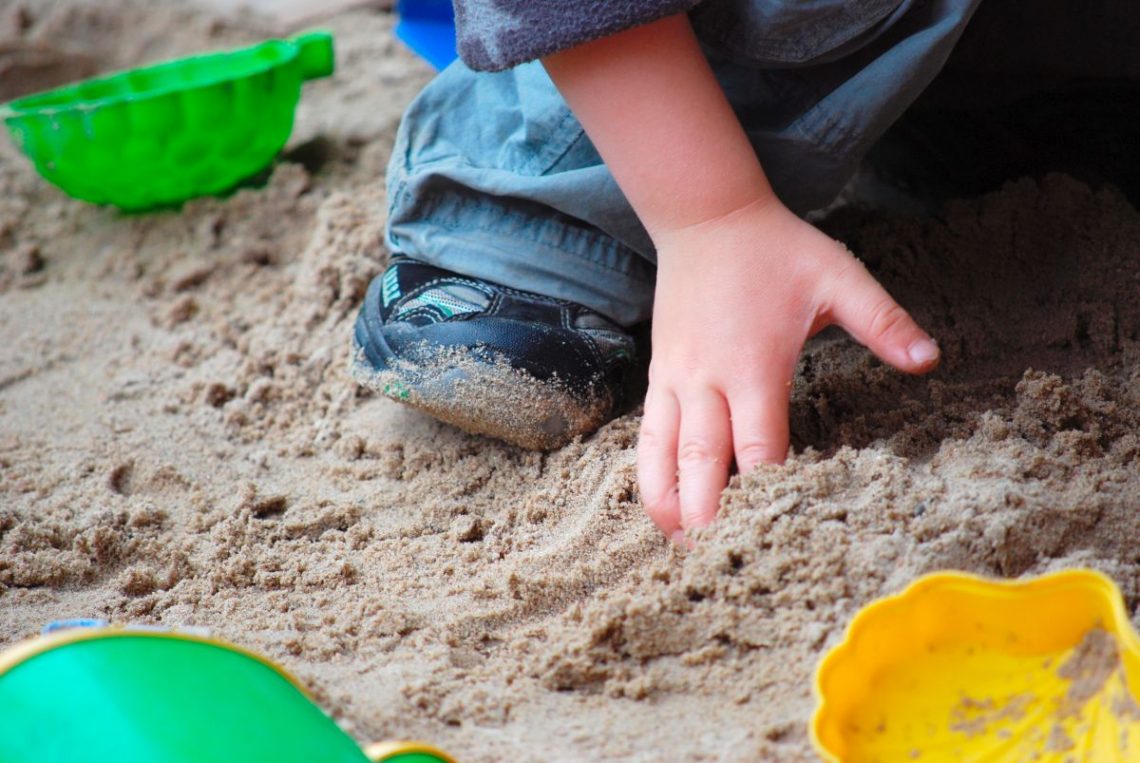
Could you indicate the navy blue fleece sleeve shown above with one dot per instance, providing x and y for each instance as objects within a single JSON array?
[{"x": 493, "y": 35}]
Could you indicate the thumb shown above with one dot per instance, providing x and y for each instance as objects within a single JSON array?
[{"x": 868, "y": 313}]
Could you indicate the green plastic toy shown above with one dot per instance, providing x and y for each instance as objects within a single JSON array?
[
  {"x": 119, "y": 694},
  {"x": 159, "y": 135}
]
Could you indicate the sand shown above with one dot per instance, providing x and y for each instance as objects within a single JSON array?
[{"x": 181, "y": 443}]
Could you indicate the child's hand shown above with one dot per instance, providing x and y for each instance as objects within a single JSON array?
[
  {"x": 741, "y": 281},
  {"x": 736, "y": 298}
]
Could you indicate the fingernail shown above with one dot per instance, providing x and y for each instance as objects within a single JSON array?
[
  {"x": 923, "y": 351},
  {"x": 678, "y": 537}
]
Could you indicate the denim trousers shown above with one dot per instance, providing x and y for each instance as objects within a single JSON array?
[{"x": 491, "y": 175}]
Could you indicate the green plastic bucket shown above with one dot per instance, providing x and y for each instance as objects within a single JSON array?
[
  {"x": 159, "y": 135},
  {"x": 113, "y": 694}
]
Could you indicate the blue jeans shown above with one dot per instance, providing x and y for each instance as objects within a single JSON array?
[{"x": 493, "y": 177}]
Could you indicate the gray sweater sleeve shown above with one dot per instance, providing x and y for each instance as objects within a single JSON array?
[{"x": 493, "y": 35}]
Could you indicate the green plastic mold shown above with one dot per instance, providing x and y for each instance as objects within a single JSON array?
[
  {"x": 159, "y": 135},
  {"x": 133, "y": 694}
]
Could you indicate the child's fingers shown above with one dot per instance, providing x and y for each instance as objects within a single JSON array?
[
  {"x": 760, "y": 422},
  {"x": 657, "y": 461},
  {"x": 704, "y": 453},
  {"x": 868, "y": 313}
]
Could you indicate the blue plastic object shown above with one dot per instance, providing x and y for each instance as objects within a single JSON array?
[{"x": 428, "y": 28}]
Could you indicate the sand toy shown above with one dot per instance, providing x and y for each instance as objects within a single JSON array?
[
  {"x": 959, "y": 668},
  {"x": 115, "y": 693},
  {"x": 428, "y": 28},
  {"x": 159, "y": 135}
]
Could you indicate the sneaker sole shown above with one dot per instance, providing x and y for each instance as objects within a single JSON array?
[{"x": 469, "y": 391}]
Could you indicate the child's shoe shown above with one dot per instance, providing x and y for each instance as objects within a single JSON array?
[{"x": 532, "y": 370}]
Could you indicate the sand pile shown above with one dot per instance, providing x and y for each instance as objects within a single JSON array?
[{"x": 181, "y": 442}]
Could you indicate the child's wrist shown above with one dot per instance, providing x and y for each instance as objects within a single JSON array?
[{"x": 672, "y": 234}]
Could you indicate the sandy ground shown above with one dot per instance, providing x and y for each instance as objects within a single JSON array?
[{"x": 181, "y": 443}]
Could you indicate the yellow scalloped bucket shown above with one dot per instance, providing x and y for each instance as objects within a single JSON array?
[{"x": 965, "y": 669}]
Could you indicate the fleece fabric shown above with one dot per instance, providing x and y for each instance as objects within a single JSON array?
[{"x": 494, "y": 35}]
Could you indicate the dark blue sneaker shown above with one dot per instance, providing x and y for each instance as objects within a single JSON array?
[{"x": 531, "y": 370}]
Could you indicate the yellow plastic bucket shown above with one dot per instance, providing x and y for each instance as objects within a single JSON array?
[{"x": 965, "y": 669}]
